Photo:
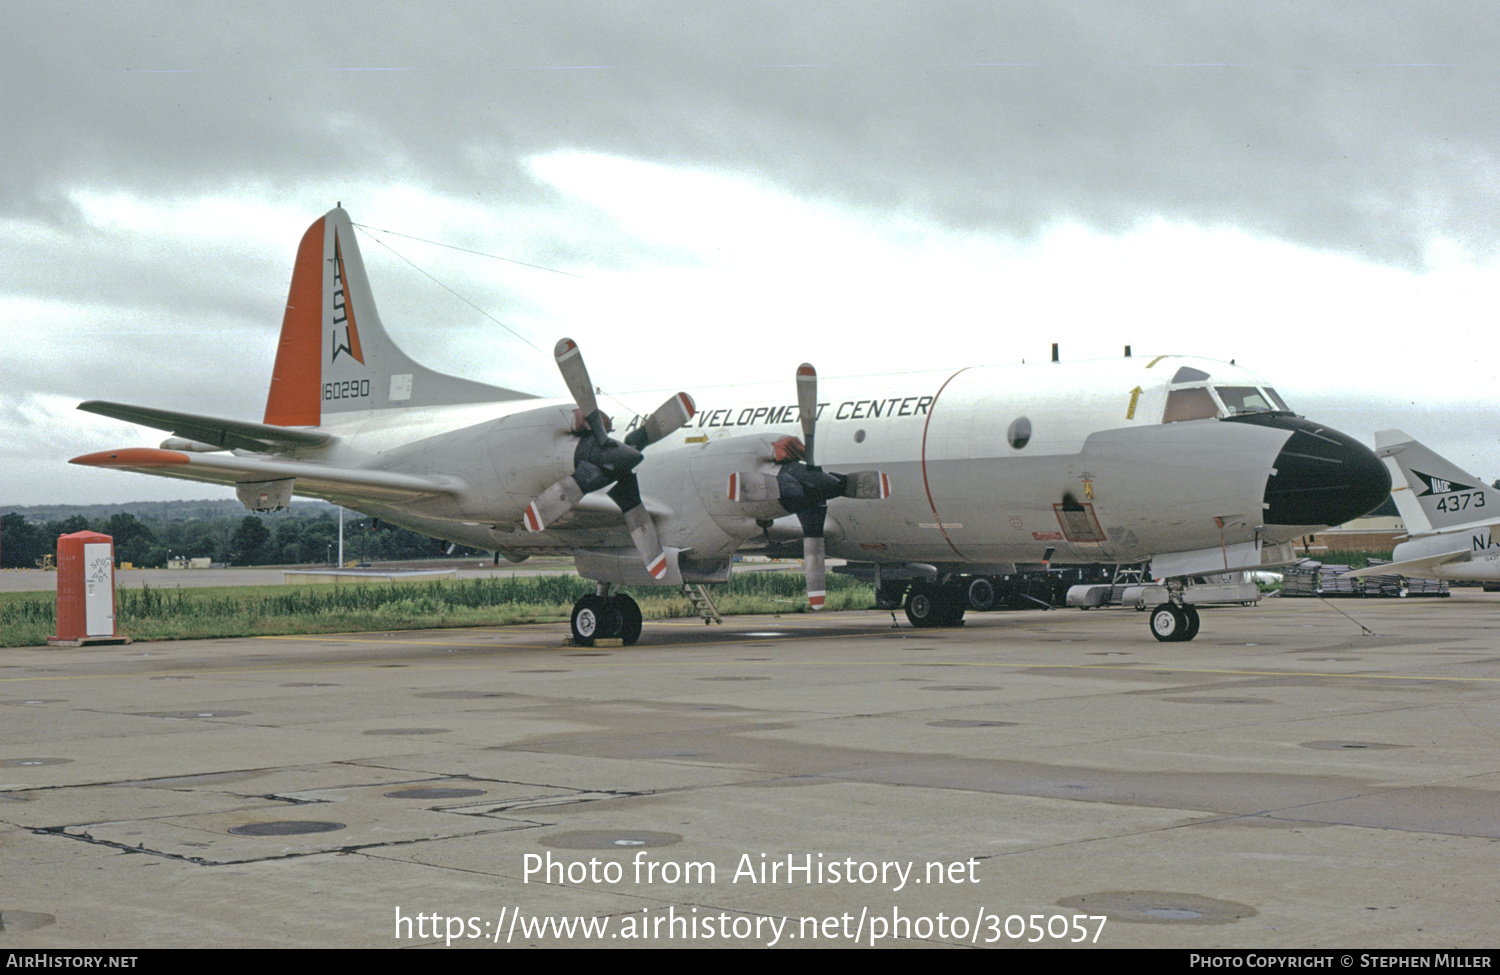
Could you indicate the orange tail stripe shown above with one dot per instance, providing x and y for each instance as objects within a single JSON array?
[{"x": 295, "y": 399}]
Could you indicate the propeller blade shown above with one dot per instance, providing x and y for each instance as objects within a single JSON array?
[
  {"x": 560, "y": 498},
  {"x": 812, "y": 517},
  {"x": 599, "y": 462},
  {"x": 807, "y": 404},
  {"x": 627, "y": 494},
  {"x": 754, "y": 486},
  {"x": 668, "y": 418},
  {"x": 867, "y": 485},
  {"x": 553, "y": 503},
  {"x": 804, "y": 489},
  {"x": 643, "y": 534},
  {"x": 814, "y": 567},
  {"x": 576, "y": 375}
]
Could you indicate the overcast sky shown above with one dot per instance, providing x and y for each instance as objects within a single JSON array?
[{"x": 1308, "y": 188}]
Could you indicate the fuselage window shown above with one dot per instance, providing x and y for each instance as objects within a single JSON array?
[
  {"x": 1019, "y": 433},
  {"x": 1190, "y": 404}
]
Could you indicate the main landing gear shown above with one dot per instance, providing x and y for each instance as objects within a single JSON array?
[
  {"x": 1173, "y": 623},
  {"x": 606, "y": 617},
  {"x": 933, "y": 604}
]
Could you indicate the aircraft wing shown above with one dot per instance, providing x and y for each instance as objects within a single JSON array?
[
  {"x": 1412, "y": 567},
  {"x": 230, "y": 434},
  {"x": 339, "y": 484}
]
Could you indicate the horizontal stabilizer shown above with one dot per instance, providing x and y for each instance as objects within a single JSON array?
[
  {"x": 261, "y": 438},
  {"x": 312, "y": 480},
  {"x": 1412, "y": 567}
]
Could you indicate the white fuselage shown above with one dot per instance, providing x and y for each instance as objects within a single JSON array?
[
  {"x": 1098, "y": 476},
  {"x": 1482, "y": 565}
]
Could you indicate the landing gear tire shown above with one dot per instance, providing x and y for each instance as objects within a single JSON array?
[
  {"x": 1168, "y": 623},
  {"x": 981, "y": 594},
  {"x": 930, "y": 605},
  {"x": 922, "y": 605},
  {"x": 888, "y": 595},
  {"x": 956, "y": 607},
  {"x": 1171, "y": 623},
  {"x": 630, "y": 618},
  {"x": 596, "y": 618},
  {"x": 1192, "y": 623}
]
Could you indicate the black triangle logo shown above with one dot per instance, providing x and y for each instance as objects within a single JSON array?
[{"x": 1439, "y": 485}]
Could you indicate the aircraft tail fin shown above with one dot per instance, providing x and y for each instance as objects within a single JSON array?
[
  {"x": 334, "y": 355},
  {"x": 1431, "y": 492}
]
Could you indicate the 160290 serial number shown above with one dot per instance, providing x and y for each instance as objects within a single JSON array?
[{"x": 353, "y": 389}]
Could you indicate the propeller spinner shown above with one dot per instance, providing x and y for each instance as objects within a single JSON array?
[
  {"x": 600, "y": 461},
  {"x": 804, "y": 489}
]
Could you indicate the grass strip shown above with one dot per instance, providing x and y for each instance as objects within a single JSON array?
[{"x": 27, "y": 619}]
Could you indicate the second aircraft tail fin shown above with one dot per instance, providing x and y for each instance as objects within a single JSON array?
[{"x": 1431, "y": 492}]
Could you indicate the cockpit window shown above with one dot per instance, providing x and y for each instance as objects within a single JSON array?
[
  {"x": 1243, "y": 399},
  {"x": 1187, "y": 374},
  {"x": 1280, "y": 403},
  {"x": 1248, "y": 399},
  {"x": 1190, "y": 404}
]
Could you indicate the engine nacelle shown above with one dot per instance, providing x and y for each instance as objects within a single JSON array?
[
  {"x": 717, "y": 468},
  {"x": 504, "y": 463}
]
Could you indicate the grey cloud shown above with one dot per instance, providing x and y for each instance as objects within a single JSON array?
[{"x": 1362, "y": 128}]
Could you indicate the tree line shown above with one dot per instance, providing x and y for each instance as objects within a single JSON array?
[{"x": 285, "y": 538}]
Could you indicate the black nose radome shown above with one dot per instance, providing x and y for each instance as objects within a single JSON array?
[{"x": 1322, "y": 477}]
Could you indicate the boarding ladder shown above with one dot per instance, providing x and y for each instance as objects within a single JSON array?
[{"x": 698, "y": 596}]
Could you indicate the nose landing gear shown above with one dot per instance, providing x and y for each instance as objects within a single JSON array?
[{"x": 1174, "y": 623}]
